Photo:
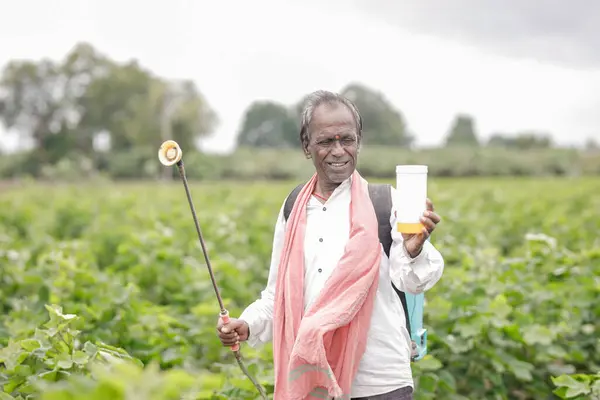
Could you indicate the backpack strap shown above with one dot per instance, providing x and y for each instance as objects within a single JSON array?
[
  {"x": 382, "y": 203},
  {"x": 381, "y": 197},
  {"x": 291, "y": 199}
]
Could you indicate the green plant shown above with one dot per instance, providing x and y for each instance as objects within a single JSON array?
[
  {"x": 515, "y": 309},
  {"x": 577, "y": 386}
]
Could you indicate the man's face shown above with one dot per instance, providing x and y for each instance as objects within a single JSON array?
[{"x": 333, "y": 143}]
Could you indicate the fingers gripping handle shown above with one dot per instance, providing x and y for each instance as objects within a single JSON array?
[
  {"x": 225, "y": 318},
  {"x": 238, "y": 357}
]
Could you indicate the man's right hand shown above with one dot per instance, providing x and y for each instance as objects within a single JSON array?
[{"x": 234, "y": 332}]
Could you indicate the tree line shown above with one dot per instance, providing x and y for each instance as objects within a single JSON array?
[
  {"x": 87, "y": 103},
  {"x": 63, "y": 106}
]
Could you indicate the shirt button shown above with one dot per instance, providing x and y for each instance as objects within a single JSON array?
[
  {"x": 320, "y": 239},
  {"x": 320, "y": 270},
  {"x": 324, "y": 208}
]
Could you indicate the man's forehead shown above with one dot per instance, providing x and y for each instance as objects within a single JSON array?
[
  {"x": 332, "y": 132},
  {"x": 329, "y": 108},
  {"x": 333, "y": 119}
]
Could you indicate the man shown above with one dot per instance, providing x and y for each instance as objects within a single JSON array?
[{"x": 338, "y": 328}]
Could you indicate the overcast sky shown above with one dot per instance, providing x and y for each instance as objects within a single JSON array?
[{"x": 510, "y": 64}]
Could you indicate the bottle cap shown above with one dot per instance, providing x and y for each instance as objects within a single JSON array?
[{"x": 411, "y": 169}]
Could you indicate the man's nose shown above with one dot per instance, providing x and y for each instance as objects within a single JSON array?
[{"x": 337, "y": 149}]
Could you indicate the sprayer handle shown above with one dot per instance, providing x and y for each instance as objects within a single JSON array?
[{"x": 225, "y": 318}]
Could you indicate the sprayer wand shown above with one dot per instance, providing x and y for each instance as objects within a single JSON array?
[{"x": 171, "y": 154}]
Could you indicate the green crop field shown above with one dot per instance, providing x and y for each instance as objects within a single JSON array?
[{"x": 104, "y": 293}]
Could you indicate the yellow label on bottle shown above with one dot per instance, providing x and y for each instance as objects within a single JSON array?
[{"x": 416, "y": 227}]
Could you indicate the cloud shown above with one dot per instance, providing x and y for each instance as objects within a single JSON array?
[{"x": 554, "y": 31}]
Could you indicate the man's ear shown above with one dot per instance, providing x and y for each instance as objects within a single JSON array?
[{"x": 305, "y": 150}]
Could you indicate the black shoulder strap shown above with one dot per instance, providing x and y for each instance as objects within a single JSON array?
[
  {"x": 291, "y": 199},
  {"x": 381, "y": 197}
]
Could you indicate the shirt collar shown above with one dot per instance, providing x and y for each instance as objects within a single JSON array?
[{"x": 342, "y": 188}]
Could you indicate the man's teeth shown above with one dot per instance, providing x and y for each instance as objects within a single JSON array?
[{"x": 337, "y": 164}]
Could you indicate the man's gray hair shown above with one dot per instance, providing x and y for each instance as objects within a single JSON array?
[{"x": 314, "y": 100}]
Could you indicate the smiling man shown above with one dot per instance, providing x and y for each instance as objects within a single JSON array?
[{"x": 338, "y": 328}]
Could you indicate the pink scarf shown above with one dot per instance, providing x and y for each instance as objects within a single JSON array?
[{"x": 317, "y": 354}]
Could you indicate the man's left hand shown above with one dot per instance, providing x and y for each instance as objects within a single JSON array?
[{"x": 413, "y": 242}]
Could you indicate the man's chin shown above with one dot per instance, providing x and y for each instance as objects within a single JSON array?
[{"x": 339, "y": 176}]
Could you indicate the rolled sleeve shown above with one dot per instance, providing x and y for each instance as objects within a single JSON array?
[{"x": 259, "y": 314}]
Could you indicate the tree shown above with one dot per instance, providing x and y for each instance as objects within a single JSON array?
[
  {"x": 499, "y": 140},
  {"x": 533, "y": 140},
  {"x": 382, "y": 123},
  {"x": 63, "y": 106},
  {"x": 134, "y": 106},
  {"x": 522, "y": 141},
  {"x": 41, "y": 99},
  {"x": 268, "y": 124},
  {"x": 462, "y": 132},
  {"x": 591, "y": 144}
]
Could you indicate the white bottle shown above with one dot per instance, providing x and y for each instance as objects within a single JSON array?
[{"x": 411, "y": 201}]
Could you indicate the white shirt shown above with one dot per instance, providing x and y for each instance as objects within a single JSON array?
[{"x": 385, "y": 365}]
